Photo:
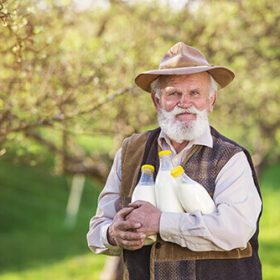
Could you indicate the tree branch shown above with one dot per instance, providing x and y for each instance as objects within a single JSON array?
[
  {"x": 88, "y": 166},
  {"x": 61, "y": 117}
]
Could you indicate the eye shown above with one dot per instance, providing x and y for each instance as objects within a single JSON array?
[
  {"x": 173, "y": 93},
  {"x": 195, "y": 92}
]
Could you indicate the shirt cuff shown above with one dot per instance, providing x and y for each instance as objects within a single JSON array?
[{"x": 105, "y": 239}]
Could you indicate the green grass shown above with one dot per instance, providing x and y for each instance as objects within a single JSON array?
[
  {"x": 34, "y": 241},
  {"x": 270, "y": 226},
  {"x": 36, "y": 244},
  {"x": 81, "y": 267}
]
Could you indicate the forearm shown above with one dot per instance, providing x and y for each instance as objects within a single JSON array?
[
  {"x": 206, "y": 232},
  {"x": 231, "y": 225}
]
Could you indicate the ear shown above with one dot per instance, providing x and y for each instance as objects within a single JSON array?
[
  {"x": 156, "y": 101},
  {"x": 212, "y": 101}
]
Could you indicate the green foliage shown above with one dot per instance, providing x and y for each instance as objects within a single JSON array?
[
  {"x": 66, "y": 79},
  {"x": 62, "y": 66}
]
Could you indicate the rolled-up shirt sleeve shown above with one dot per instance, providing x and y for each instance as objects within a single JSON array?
[
  {"x": 108, "y": 205},
  {"x": 238, "y": 206}
]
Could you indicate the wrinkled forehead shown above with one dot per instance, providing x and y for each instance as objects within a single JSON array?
[{"x": 180, "y": 80}]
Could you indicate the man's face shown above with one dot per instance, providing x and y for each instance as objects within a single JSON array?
[
  {"x": 183, "y": 106},
  {"x": 185, "y": 91}
]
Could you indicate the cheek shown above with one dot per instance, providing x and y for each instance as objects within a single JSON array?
[
  {"x": 203, "y": 104},
  {"x": 168, "y": 105}
]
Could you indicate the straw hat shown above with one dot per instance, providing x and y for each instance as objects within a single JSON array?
[{"x": 182, "y": 59}]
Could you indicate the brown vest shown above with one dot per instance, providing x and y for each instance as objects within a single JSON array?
[{"x": 165, "y": 260}]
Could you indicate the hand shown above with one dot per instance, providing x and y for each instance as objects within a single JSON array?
[
  {"x": 148, "y": 215},
  {"x": 123, "y": 232}
]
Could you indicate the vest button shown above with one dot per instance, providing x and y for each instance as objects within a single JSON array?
[{"x": 158, "y": 245}]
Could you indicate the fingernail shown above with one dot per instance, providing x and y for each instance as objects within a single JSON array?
[{"x": 138, "y": 225}]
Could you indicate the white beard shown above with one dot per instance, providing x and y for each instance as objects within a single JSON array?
[{"x": 181, "y": 131}]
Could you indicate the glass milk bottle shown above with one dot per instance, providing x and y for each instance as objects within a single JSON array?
[
  {"x": 145, "y": 190},
  {"x": 166, "y": 185},
  {"x": 192, "y": 195}
]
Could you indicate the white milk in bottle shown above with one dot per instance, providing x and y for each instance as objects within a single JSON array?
[
  {"x": 166, "y": 185},
  {"x": 192, "y": 195},
  {"x": 145, "y": 190}
]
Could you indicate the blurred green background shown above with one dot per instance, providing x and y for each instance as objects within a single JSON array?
[{"x": 67, "y": 99}]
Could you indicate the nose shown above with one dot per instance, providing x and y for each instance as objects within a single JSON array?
[{"x": 185, "y": 101}]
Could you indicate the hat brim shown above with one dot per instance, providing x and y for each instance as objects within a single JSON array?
[{"x": 222, "y": 75}]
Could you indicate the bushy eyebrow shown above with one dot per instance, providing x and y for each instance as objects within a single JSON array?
[
  {"x": 170, "y": 89},
  {"x": 195, "y": 89}
]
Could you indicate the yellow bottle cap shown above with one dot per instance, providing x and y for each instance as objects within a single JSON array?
[
  {"x": 177, "y": 171},
  {"x": 164, "y": 153},
  {"x": 147, "y": 167}
]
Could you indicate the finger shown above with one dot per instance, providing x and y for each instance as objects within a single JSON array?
[
  {"x": 137, "y": 203},
  {"x": 125, "y": 211},
  {"x": 128, "y": 225},
  {"x": 132, "y": 236},
  {"x": 132, "y": 245}
]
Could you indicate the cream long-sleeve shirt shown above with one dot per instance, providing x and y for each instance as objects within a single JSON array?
[{"x": 237, "y": 201}]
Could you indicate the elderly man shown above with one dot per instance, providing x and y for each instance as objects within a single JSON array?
[{"x": 217, "y": 246}]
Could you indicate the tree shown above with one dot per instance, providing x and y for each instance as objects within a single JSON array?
[{"x": 65, "y": 72}]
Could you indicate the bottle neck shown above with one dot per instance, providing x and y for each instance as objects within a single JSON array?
[
  {"x": 146, "y": 178},
  {"x": 165, "y": 163},
  {"x": 186, "y": 179}
]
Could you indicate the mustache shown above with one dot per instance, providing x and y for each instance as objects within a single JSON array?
[{"x": 191, "y": 110}]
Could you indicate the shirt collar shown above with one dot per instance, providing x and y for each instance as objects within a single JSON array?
[{"x": 205, "y": 139}]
